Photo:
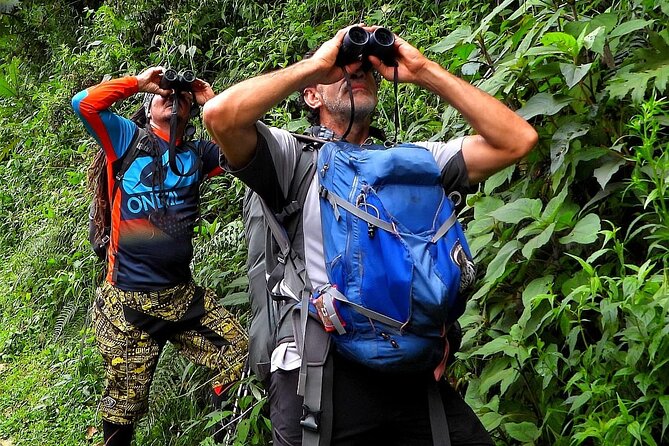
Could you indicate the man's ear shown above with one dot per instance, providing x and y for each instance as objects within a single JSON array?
[{"x": 312, "y": 98}]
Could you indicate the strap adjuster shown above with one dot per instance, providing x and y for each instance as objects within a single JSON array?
[{"x": 310, "y": 419}]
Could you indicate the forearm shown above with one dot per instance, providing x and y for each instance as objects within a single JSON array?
[
  {"x": 99, "y": 98},
  {"x": 500, "y": 127},
  {"x": 92, "y": 107},
  {"x": 230, "y": 117}
]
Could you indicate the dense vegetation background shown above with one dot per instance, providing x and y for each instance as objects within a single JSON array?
[{"x": 567, "y": 336}]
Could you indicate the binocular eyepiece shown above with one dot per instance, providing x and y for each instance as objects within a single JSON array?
[
  {"x": 358, "y": 44},
  {"x": 173, "y": 80}
]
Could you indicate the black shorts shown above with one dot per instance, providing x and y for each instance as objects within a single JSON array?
[{"x": 372, "y": 408}]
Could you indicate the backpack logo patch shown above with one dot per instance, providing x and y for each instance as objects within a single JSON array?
[{"x": 467, "y": 266}]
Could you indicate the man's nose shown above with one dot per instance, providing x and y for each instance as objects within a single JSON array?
[{"x": 358, "y": 74}]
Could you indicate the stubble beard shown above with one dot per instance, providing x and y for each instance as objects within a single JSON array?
[{"x": 341, "y": 107}]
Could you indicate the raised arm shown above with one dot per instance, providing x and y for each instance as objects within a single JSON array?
[
  {"x": 503, "y": 137},
  {"x": 92, "y": 105},
  {"x": 230, "y": 117}
]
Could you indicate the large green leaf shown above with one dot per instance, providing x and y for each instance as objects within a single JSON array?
[
  {"x": 5, "y": 89},
  {"x": 554, "y": 205},
  {"x": 538, "y": 241},
  {"x": 518, "y": 210},
  {"x": 561, "y": 139},
  {"x": 502, "y": 344},
  {"x": 493, "y": 373},
  {"x": 585, "y": 231},
  {"x": 541, "y": 285},
  {"x": 452, "y": 39},
  {"x": 608, "y": 20},
  {"x": 497, "y": 267},
  {"x": 629, "y": 27},
  {"x": 596, "y": 40},
  {"x": 525, "y": 432},
  {"x": 498, "y": 179},
  {"x": 491, "y": 420},
  {"x": 579, "y": 400},
  {"x": 485, "y": 206},
  {"x": 638, "y": 82},
  {"x": 543, "y": 104},
  {"x": 574, "y": 74},
  {"x": 563, "y": 41},
  {"x": 498, "y": 264},
  {"x": 604, "y": 172}
]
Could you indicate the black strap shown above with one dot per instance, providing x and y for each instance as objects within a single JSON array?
[
  {"x": 438, "y": 422},
  {"x": 285, "y": 224},
  {"x": 137, "y": 144},
  {"x": 317, "y": 411},
  {"x": 396, "y": 111},
  {"x": 350, "y": 96},
  {"x": 396, "y": 118},
  {"x": 173, "y": 140}
]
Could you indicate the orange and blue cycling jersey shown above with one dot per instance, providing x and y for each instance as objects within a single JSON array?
[{"x": 152, "y": 221}]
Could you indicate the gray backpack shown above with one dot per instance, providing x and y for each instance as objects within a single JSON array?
[{"x": 270, "y": 323}]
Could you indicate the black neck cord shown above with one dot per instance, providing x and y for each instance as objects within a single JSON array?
[
  {"x": 396, "y": 118},
  {"x": 350, "y": 96},
  {"x": 173, "y": 140},
  {"x": 173, "y": 133},
  {"x": 396, "y": 111}
]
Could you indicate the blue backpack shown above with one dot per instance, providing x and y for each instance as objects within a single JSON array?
[{"x": 395, "y": 255}]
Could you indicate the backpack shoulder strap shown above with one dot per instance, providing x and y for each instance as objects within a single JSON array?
[
  {"x": 317, "y": 388},
  {"x": 285, "y": 224},
  {"x": 140, "y": 142}
]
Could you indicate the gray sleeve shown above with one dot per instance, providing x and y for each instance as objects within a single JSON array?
[
  {"x": 443, "y": 152},
  {"x": 448, "y": 155},
  {"x": 270, "y": 171}
]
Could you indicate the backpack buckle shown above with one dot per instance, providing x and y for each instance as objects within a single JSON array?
[{"x": 310, "y": 419}]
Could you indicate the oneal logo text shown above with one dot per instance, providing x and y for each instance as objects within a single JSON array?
[{"x": 148, "y": 202}]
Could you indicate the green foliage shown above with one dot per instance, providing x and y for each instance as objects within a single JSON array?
[
  {"x": 566, "y": 335},
  {"x": 574, "y": 240}
]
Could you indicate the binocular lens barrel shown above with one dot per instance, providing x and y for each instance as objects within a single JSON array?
[
  {"x": 188, "y": 76},
  {"x": 356, "y": 36},
  {"x": 170, "y": 75},
  {"x": 358, "y": 44},
  {"x": 182, "y": 80},
  {"x": 383, "y": 37}
]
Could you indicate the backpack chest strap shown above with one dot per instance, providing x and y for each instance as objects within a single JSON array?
[{"x": 335, "y": 200}]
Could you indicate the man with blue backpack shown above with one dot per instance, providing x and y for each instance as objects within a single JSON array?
[{"x": 365, "y": 260}]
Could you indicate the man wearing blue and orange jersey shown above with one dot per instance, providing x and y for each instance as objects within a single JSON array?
[{"x": 148, "y": 296}]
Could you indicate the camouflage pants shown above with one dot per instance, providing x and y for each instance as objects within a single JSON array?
[{"x": 131, "y": 329}]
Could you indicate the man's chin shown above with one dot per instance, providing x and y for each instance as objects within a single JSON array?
[{"x": 364, "y": 107}]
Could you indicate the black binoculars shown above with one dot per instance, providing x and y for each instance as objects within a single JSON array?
[
  {"x": 180, "y": 81},
  {"x": 359, "y": 43}
]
